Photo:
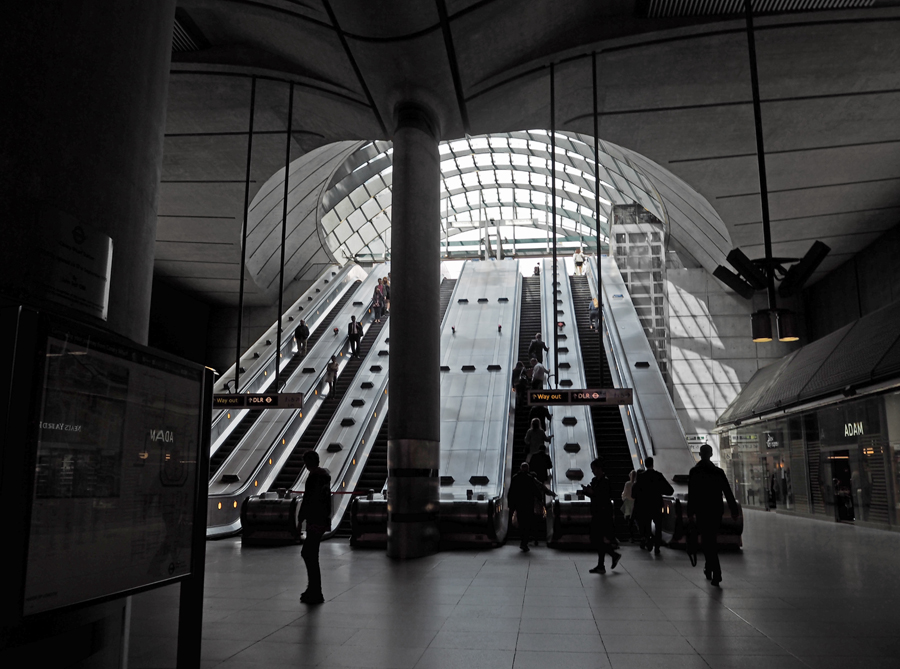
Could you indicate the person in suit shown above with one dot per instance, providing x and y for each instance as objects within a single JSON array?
[
  {"x": 603, "y": 529},
  {"x": 524, "y": 491},
  {"x": 648, "y": 492},
  {"x": 315, "y": 509},
  {"x": 302, "y": 336},
  {"x": 536, "y": 348},
  {"x": 706, "y": 485},
  {"x": 354, "y": 333}
]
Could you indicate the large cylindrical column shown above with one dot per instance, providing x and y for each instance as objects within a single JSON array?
[
  {"x": 414, "y": 424},
  {"x": 85, "y": 86}
]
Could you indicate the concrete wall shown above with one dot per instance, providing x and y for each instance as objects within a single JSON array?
[
  {"x": 866, "y": 282},
  {"x": 712, "y": 353}
]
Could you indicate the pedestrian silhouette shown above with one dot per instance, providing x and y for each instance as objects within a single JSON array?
[{"x": 706, "y": 485}]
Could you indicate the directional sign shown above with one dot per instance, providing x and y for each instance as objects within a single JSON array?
[
  {"x": 600, "y": 396},
  {"x": 548, "y": 397},
  {"x": 259, "y": 401}
]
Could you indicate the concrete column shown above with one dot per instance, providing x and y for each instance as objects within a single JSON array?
[
  {"x": 85, "y": 86},
  {"x": 414, "y": 429}
]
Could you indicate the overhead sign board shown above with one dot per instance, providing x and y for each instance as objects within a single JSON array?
[
  {"x": 259, "y": 401},
  {"x": 589, "y": 396}
]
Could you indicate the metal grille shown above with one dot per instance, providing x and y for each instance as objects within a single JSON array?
[
  {"x": 182, "y": 40},
  {"x": 672, "y": 8}
]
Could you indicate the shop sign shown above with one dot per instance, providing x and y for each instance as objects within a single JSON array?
[
  {"x": 746, "y": 442},
  {"x": 695, "y": 441},
  {"x": 854, "y": 429}
]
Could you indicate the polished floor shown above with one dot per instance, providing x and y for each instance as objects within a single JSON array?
[{"x": 802, "y": 593}]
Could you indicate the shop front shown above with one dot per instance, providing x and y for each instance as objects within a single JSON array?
[{"x": 839, "y": 462}]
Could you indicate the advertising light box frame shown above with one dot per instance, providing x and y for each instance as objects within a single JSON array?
[{"x": 102, "y": 464}]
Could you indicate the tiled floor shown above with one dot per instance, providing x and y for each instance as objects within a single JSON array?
[{"x": 802, "y": 593}]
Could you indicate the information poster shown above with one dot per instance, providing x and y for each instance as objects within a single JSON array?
[{"x": 115, "y": 475}]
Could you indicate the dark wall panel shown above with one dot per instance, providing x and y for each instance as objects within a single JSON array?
[
  {"x": 863, "y": 284},
  {"x": 178, "y": 322}
]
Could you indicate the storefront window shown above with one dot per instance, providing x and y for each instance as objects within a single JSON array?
[{"x": 842, "y": 461}]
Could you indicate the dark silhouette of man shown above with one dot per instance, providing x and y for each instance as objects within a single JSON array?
[
  {"x": 316, "y": 511},
  {"x": 706, "y": 485},
  {"x": 524, "y": 491},
  {"x": 536, "y": 348},
  {"x": 648, "y": 492},
  {"x": 540, "y": 464},
  {"x": 603, "y": 529},
  {"x": 302, "y": 336},
  {"x": 354, "y": 333}
]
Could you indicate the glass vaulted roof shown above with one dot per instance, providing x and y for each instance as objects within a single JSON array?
[{"x": 501, "y": 181}]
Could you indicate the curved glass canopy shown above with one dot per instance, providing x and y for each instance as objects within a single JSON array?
[{"x": 493, "y": 187}]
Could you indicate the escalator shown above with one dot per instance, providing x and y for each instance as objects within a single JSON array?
[
  {"x": 316, "y": 334},
  {"x": 294, "y": 465},
  {"x": 228, "y": 446},
  {"x": 374, "y": 475},
  {"x": 609, "y": 432},
  {"x": 529, "y": 324}
]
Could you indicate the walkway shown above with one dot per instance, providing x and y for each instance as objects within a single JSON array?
[{"x": 802, "y": 593}]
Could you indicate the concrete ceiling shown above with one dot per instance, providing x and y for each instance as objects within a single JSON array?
[{"x": 675, "y": 90}]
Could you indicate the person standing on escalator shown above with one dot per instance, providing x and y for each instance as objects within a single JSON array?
[
  {"x": 331, "y": 371},
  {"x": 378, "y": 300},
  {"x": 315, "y": 509},
  {"x": 354, "y": 334},
  {"x": 536, "y": 348},
  {"x": 302, "y": 336}
]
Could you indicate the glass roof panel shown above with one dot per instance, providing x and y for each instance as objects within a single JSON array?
[{"x": 477, "y": 181}]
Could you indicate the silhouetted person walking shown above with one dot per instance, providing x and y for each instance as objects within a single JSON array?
[
  {"x": 354, "y": 334},
  {"x": 706, "y": 485},
  {"x": 316, "y": 511},
  {"x": 603, "y": 529},
  {"x": 648, "y": 492},
  {"x": 524, "y": 491}
]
